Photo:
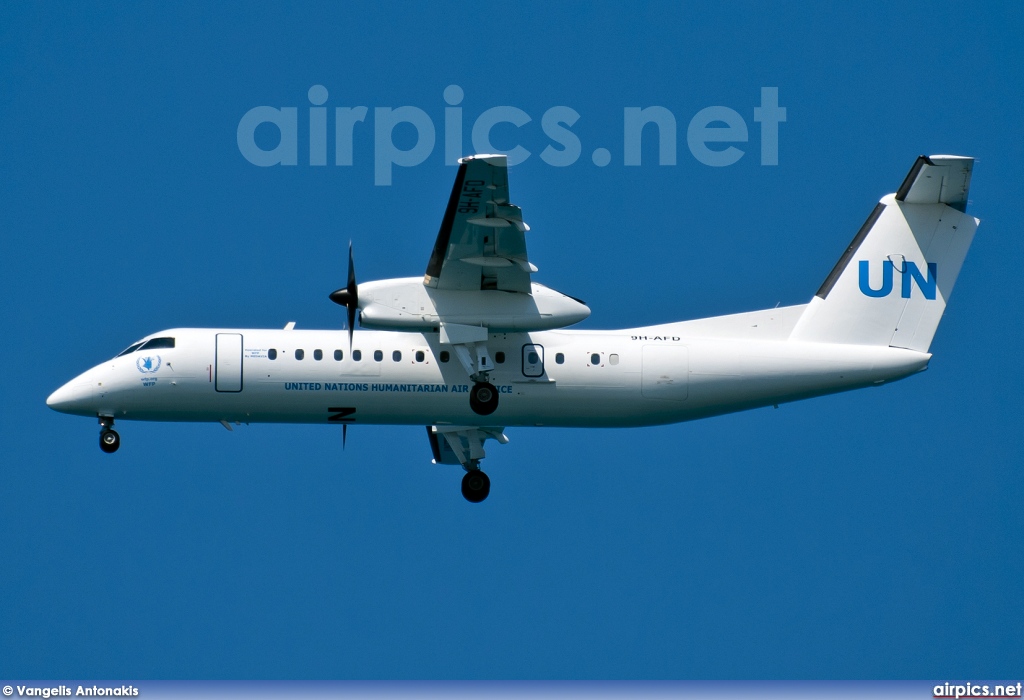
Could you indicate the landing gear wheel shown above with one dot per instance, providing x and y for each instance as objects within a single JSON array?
[
  {"x": 483, "y": 398},
  {"x": 109, "y": 441},
  {"x": 475, "y": 486}
]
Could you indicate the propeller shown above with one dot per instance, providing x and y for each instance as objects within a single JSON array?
[
  {"x": 344, "y": 435},
  {"x": 348, "y": 297}
]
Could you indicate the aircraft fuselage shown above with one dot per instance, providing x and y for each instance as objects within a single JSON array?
[{"x": 632, "y": 377}]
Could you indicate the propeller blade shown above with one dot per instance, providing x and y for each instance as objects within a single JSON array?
[
  {"x": 348, "y": 296},
  {"x": 351, "y": 272},
  {"x": 344, "y": 435},
  {"x": 351, "y": 326},
  {"x": 353, "y": 294}
]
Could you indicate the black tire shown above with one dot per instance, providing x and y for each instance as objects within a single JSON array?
[
  {"x": 109, "y": 441},
  {"x": 483, "y": 398},
  {"x": 475, "y": 486}
]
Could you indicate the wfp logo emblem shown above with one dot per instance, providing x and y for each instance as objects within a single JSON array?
[
  {"x": 148, "y": 365},
  {"x": 910, "y": 274}
]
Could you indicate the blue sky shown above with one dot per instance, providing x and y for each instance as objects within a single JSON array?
[{"x": 872, "y": 534}]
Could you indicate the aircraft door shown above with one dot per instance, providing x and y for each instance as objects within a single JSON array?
[
  {"x": 229, "y": 362},
  {"x": 533, "y": 360}
]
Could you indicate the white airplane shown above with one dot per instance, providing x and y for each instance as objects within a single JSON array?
[{"x": 476, "y": 346}]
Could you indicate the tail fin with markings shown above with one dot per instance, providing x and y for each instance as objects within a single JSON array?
[{"x": 892, "y": 284}]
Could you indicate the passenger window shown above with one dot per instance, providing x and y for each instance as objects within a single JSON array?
[
  {"x": 499, "y": 357},
  {"x": 272, "y": 354},
  {"x": 318, "y": 354},
  {"x": 378, "y": 355},
  {"x": 338, "y": 355},
  {"x": 613, "y": 359},
  {"x": 445, "y": 356},
  {"x": 559, "y": 358},
  {"x": 396, "y": 356},
  {"x": 300, "y": 354},
  {"x": 420, "y": 356},
  {"x": 595, "y": 359},
  {"x": 158, "y": 344},
  {"x": 357, "y": 355}
]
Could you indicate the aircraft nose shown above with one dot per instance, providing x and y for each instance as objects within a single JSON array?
[{"x": 69, "y": 397}]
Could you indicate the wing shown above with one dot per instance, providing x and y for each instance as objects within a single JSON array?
[{"x": 481, "y": 244}]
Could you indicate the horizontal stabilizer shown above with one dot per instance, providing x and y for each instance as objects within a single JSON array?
[{"x": 938, "y": 180}]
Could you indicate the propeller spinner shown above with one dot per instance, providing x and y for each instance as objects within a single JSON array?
[{"x": 348, "y": 296}]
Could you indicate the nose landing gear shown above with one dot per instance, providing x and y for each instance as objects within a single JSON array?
[{"x": 109, "y": 439}]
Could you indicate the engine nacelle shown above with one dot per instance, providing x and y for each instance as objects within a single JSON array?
[{"x": 406, "y": 303}]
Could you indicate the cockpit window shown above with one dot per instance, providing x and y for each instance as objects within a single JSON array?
[
  {"x": 130, "y": 349},
  {"x": 157, "y": 343}
]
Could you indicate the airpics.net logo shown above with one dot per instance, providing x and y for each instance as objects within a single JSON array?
[{"x": 715, "y": 136}]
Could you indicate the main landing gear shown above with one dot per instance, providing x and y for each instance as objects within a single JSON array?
[
  {"x": 483, "y": 398},
  {"x": 465, "y": 446},
  {"x": 475, "y": 485},
  {"x": 109, "y": 439},
  {"x": 469, "y": 345}
]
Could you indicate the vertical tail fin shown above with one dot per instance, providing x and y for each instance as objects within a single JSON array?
[{"x": 892, "y": 284}]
